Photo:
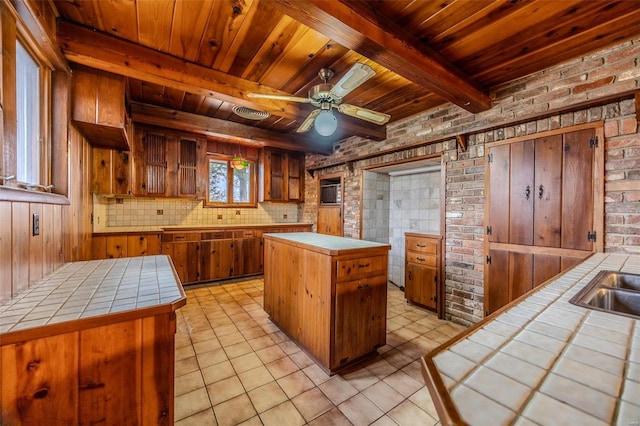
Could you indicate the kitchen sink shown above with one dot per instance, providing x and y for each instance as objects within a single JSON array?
[{"x": 611, "y": 291}]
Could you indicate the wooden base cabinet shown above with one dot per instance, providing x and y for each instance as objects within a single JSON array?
[
  {"x": 422, "y": 269},
  {"x": 333, "y": 301}
]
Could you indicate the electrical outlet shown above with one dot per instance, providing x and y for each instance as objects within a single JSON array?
[
  {"x": 237, "y": 212},
  {"x": 36, "y": 224},
  {"x": 284, "y": 216},
  {"x": 159, "y": 212},
  {"x": 219, "y": 217}
]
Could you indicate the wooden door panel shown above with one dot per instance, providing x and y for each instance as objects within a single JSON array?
[
  {"x": 547, "y": 191},
  {"x": 330, "y": 220},
  {"x": 499, "y": 194},
  {"x": 545, "y": 267},
  {"x": 217, "y": 259},
  {"x": 346, "y": 330},
  {"x": 136, "y": 245},
  {"x": 121, "y": 173},
  {"x": 521, "y": 193},
  {"x": 497, "y": 284},
  {"x": 247, "y": 256},
  {"x": 116, "y": 246},
  {"x": 577, "y": 190},
  {"x": 155, "y": 148},
  {"x": 520, "y": 274}
]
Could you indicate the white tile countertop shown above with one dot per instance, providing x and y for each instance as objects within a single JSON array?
[
  {"x": 544, "y": 360},
  {"x": 96, "y": 291},
  {"x": 174, "y": 228}
]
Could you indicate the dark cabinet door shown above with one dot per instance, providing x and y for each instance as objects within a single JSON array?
[
  {"x": 420, "y": 284},
  {"x": 521, "y": 193},
  {"x": 247, "y": 256},
  {"x": 497, "y": 286},
  {"x": 498, "y": 193},
  {"x": 547, "y": 191},
  {"x": 217, "y": 259}
]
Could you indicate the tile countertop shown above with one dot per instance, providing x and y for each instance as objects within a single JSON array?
[
  {"x": 543, "y": 360},
  {"x": 163, "y": 228},
  {"x": 326, "y": 243},
  {"x": 91, "y": 293}
]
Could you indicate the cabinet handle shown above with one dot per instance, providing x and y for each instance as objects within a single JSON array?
[
  {"x": 527, "y": 192},
  {"x": 179, "y": 237},
  {"x": 365, "y": 265},
  {"x": 421, "y": 259},
  {"x": 540, "y": 191},
  {"x": 421, "y": 245}
]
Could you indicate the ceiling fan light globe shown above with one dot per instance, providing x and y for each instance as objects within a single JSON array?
[{"x": 326, "y": 123}]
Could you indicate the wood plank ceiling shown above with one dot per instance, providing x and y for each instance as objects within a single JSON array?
[{"x": 200, "y": 58}]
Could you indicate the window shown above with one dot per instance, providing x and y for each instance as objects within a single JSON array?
[
  {"x": 228, "y": 186},
  {"x": 28, "y": 109}
]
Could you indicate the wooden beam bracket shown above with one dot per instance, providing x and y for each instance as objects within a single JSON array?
[{"x": 462, "y": 142}]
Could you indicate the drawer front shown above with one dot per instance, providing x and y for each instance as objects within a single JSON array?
[
  {"x": 421, "y": 258},
  {"x": 245, "y": 234},
  {"x": 364, "y": 266},
  {"x": 179, "y": 237},
  {"x": 215, "y": 235},
  {"x": 423, "y": 245}
]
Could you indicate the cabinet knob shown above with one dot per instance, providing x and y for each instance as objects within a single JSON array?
[
  {"x": 527, "y": 192},
  {"x": 540, "y": 192}
]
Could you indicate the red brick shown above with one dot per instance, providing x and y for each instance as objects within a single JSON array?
[
  {"x": 610, "y": 128},
  {"x": 592, "y": 85},
  {"x": 628, "y": 126}
]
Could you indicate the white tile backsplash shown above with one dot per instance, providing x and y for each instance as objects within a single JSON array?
[{"x": 112, "y": 212}]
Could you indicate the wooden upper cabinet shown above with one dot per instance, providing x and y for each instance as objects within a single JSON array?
[
  {"x": 99, "y": 110},
  {"x": 282, "y": 176},
  {"x": 110, "y": 171},
  {"x": 169, "y": 165}
]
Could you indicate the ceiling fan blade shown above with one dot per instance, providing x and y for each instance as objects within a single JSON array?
[
  {"x": 364, "y": 114},
  {"x": 307, "y": 124},
  {"x": 358, "y": 74},
  {"x": 278, "y": 97}
]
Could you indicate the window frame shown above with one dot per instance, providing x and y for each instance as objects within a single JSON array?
[{"x": 253, "y": 187}]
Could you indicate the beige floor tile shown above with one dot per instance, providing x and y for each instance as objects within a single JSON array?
[
  {"x": 270, "y": 354},
  {"x": 231, "y": 339},
  {"x": 282, "y": 367},
  {"x": 253, "y": 332},
  {"x": 337, "y": 389},
  {"x": 407, "y": 413},
  {"x": 257, "y": 377},
  {"x": 224, "y": 390},
  {"x": 316, "y": 374},
  {"x": 301, "y": 359},
  {"x": 261, "y": 342},
  {"x": 402, "y": 383},
  {"x": 234, "y": 411},
  {"x": 294, "y": 384},
  {"x": 422, "y": 399},
  {"x": 206, "y": 346},
  {"x": 191, "y": 403},
  {"x": 225, "y": 329},
  {"x": 188, "y": 382},
  {"x": 218, "y": 372},
  {"x": 383, "y": 396},
  {"x": 312, "y": 403},
  {"x": 213, "y": 357},
  {"x": 238, "y": 349},
  {"x": 186, "y": 365},
  {"x": 284, "y": 414},
  {"x": 360, "y": 378},
  {"x": 203, "y": 336},
  {"x": 184, "y": 352},
  {"x": 381, "y": 368},
  {"x": 360, "y": 411},
  {"x": 246, "y": 362},
  {"x": 267, "y": 396},
  {"x": 333, "y": 417},
  {"x": 289, "y": 347},
  {"x": 384, "y": 421},
  {"x": 202, "y": 418},
  {"x": 253, "y": 421}
]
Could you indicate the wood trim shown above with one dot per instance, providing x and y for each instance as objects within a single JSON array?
[
  {"x": 599, "y": 190},
  {"x": 561, "y": 130},
  {"x": 551, "y": 251},
  {"x": 24, "y": 195},
  {"x": 442, "y": 307}
]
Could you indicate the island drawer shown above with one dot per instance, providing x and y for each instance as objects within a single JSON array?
[{"x": 350, "y": 269}]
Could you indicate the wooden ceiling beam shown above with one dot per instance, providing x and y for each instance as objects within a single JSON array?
[
  {"x": 105, "y": 52},
  {"x": 358, "y": 26},
  {"x": 227, "y": 131}
]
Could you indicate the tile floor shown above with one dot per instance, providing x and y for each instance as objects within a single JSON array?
[{"x": 234, "y": 366}]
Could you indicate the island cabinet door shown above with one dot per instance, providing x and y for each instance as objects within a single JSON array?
[{"x": 360, "y": 318}]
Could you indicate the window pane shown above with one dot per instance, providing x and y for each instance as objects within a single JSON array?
[
  {"x": 28, "y": 108},
  {"x": 242, "y": 185},
  {"x": 218, "y": 181}
]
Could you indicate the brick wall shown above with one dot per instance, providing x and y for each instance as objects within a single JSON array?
[{"x": 608, "y": 72}]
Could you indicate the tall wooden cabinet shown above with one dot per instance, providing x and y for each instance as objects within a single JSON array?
[
  {"x": 544, "y": 198},
  {"x": 422, "y": 269},
  {"x": 330, "y": 205},
  {"x": 111, "y": 171},
  {"x": 282, "y": 176}
]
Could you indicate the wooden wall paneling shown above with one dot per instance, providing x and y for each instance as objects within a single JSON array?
[
  {"x": 39, "y": 384},
  {"x": 58, "y": 232},
  {"x": 21, "y": 232},
  {"x": 520, "y": 274},
  {"x": 522, "y": 193},
  {"x": 47, "y": 229},
  {"x": 577, "y": 190},
  {"x": 101, "y": 169},
  {"x": 544, "y": 267},
  {"x": 36, "y": 255},
  {"x": 158, "y": 369},
  {"x": 202, "y": 171},
  {"x": 6, "y": 248},
  {"x": 121, "y": 172},
  {"x": 499, "y": 188},
  {"x": 108, "y": 357},
  {"x": 547, "y": 191}
]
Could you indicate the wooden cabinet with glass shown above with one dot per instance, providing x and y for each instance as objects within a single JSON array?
[
  {"x": 282, "y": 176},
  {"x": 169, "y": 164}
]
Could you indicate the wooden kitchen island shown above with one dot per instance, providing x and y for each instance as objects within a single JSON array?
[
  {"x": 92, "y": 343},
  {"x": 327, "y": 293}
]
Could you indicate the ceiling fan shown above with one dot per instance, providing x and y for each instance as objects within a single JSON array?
[{"x": 326, "y": 97}]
